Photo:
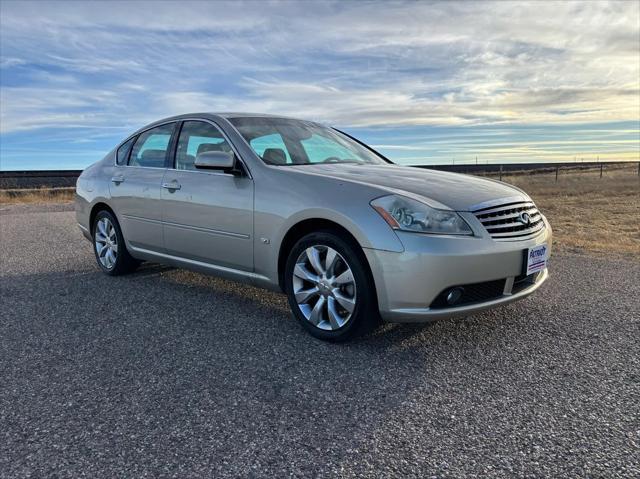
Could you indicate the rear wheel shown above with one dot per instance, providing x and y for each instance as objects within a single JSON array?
[
  {"x": 329, "y": 287},
  {"x": 109, "y": 247}
]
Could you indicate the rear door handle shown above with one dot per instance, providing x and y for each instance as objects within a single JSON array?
[
  {"x": 172, "y": 185},
  {"x": 117, "y": 179}
]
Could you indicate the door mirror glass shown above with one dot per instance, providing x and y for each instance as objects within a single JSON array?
[{"x": 215, "y": 160}]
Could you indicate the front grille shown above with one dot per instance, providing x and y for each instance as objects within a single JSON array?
[
  {"x": 504, "y": 222},
  {"x": 472, "y": 293}
]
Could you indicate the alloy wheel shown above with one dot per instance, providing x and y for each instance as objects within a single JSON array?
[
  {"x": 106, "y": 243},
  {"x": 324, "y": 287}
]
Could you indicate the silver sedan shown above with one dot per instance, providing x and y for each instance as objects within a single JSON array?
[{"x": 297, "y": 207}]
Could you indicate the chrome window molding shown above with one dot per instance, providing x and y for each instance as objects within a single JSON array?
[{"x": 155, "y": 168}]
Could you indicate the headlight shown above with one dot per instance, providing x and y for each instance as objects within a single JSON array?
[{"x": 410, "y": 215}]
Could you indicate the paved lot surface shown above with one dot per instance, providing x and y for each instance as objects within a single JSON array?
[{"x": 167, "y": 373}]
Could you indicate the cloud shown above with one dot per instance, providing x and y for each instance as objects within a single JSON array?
[
  {"x": 8, "y": 62},
  {"x": 379, "y": 107},
  {"x": 354, "y": 64}
]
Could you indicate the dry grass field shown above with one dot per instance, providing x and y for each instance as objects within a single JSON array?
[
  {"x": 588, "y": 214},
  {"x": 36, "y": 195}
]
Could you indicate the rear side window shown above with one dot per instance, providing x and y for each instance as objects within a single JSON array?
[
  {"x": 123, "y": 152},
  {"x": 150, "y": 149}
]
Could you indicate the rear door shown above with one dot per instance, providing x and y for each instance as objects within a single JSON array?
[
  {"x": 207, "y": 214},
  {"x": 136, "y": 184}
]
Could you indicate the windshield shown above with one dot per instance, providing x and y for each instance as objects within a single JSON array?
[{"x": 280, "y": 141}]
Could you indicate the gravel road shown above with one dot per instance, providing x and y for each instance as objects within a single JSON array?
[{"x": 167, "y": 373}]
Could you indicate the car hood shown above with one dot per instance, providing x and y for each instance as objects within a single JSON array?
[{"x": 438, "y": 188}]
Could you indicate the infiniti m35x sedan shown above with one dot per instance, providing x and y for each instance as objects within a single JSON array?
[{"x": 297, "y": 207}]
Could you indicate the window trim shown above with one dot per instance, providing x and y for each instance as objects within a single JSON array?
[{"x": 172, "y": 163}]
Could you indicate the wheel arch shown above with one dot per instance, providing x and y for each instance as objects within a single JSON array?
[
  {"x": 311, "y": 225},
  {"x": 95, "y": 209}
]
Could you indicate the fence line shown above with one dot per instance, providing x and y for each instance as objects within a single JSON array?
[{"x": 67, "y": 178}]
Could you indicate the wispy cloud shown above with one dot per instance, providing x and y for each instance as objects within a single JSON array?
[{"x": 93, "y": 65}]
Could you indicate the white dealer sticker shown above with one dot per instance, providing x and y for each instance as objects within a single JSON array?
[{"x": 537, "y": 258}]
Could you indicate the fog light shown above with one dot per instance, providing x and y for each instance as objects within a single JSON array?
[{"x": 454, "y": 295}]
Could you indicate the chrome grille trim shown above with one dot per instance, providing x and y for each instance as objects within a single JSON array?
[
  {"x": 533, "y": 213},
  {"x": 501, "y": 222},
  {"x": 506, "y": 206}
]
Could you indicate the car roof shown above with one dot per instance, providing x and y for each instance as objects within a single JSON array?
[
  {"x": 249, "y": 115},
  {"x": 207, "y": 115},
  {"x": 213, "y": 116},
  {"x": 226, "y": 115}
]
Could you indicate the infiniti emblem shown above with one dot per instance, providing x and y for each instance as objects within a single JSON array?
[{"x": 524, "y": 219}]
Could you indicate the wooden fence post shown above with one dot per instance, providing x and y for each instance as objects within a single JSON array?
[
  {"x": 500, "y": 172},
  {"x": 557, "y": 172},
  {"x": 600, "y": 170}
]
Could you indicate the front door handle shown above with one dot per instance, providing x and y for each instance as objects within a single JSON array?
[
  {"x": 117, "y": 179},
  {"x": 174, "y": 185}
]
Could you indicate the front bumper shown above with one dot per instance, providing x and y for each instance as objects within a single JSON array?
[{"x": 407, "y": 283}]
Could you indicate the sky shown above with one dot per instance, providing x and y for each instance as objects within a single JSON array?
[{"x": 423, "y": 82}]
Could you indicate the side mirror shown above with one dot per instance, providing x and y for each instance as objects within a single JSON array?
[{"x": 215, "y": 160}]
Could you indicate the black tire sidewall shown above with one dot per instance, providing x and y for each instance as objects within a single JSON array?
[
  {"x": 122, "y": 264},
  {"x": 365, "y": 315}
]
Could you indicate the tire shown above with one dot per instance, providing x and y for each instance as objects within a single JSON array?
[
  {"x": 348, "y": 302},
  {"x": 110, "y": 249}
]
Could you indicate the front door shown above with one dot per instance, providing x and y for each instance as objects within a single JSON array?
[
  {"x": 136, "y": 184},
  {"x": 207, "y": 215}
]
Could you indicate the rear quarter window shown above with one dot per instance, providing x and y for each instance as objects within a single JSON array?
[{"x": 123, "y": 152}]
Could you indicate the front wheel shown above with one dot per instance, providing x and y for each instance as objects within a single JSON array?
[{"x": 329, "y": 287}]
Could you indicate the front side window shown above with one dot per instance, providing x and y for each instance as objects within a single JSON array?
[
  {"x": 150, "y": 149},
  {"x": 280, "y": 141},
  {"x": 197, "y": 137},
  {"x": 123, "y": 152}
]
